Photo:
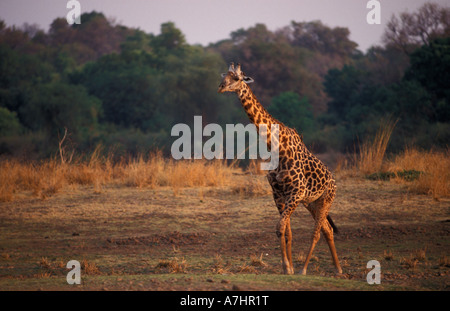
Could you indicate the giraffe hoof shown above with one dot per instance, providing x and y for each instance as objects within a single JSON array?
[{"x": 288, "y": 270}]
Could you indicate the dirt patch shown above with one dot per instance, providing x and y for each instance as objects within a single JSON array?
[
  {"x": 174, "y": 238},
  {"x": 398, "y": 232}
]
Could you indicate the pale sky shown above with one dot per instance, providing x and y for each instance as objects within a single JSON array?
[{"x": 207, "y": 21}]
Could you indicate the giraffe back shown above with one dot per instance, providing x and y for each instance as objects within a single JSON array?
[{"x": 299, "y": 171}]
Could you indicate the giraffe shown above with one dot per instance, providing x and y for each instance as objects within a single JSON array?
[{"x": 299, "y": 178}]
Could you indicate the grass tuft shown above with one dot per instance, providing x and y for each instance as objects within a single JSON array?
[
  {"x": 173, "y": 265},
  {"x": 371, "y": 154}
]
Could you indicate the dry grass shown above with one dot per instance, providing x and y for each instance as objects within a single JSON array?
[
  {"x": 257, "y": 261},
  {"x": 369, "y": 160},
  {"x": 420, "y": 254},
  {"x": 219, "y": 266},
  {"x": 56, "y": 267},
  {"x": 409, "y": 262},
  {"x": 388, "y": 255},
  {"x": 173, "y": 265},
  {"x": 253, "y": 186},
  {"x": 417, "y": 256},
  {"x": 431, "y": 169},
  {"x": 434, "y": 167},
  {"x": 47, "y": 178},
  {"x": 245, "y": 268},
  {"x": 444, "y": 261},
  {"x": 254, "y": 168},
  {"x": 90, "y": 268}
]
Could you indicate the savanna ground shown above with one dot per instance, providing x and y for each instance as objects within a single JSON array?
[{"x": 159, "y": 225}]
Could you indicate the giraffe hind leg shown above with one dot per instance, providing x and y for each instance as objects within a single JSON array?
[
  {"x": 328, "y": 233},
  {"x": 319, "y": 211},
  {"x": 315, "y": 238},
  {"x": 329, "y": 227}
]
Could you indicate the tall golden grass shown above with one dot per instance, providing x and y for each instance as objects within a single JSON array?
[
  {"x": 48, "y": 177},
  {"x": 433, "y": 166},
  {"x": 371, "y": 154}
]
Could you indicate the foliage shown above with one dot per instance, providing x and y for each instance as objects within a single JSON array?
[
  {"x": 294, "y": 112},
  {"x": 408, "y": 175},
  {"x": 409, "y": 31},
  {"x": 9, "y": 123},
  {"x": 292, "y": 59},
  {"x": 51, "y": 107},
  {"x": 125, "y": 88},
  {"x": 430, "y": 66}
]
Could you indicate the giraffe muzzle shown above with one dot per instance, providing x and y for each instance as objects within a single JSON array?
[{"x": 221, "y": 88}]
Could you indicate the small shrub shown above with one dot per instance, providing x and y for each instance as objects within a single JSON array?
[
  {"x": 173, "y": 265},
  {"x": 89, "y": 268},
  {"x": 388, "y": 255},
  {"x": 256, "y": 261},
  {"x": 219, "y": 266},
  {"x": 407, "y": 175},
  {"x": 444, "y": 261},
  {"x": 409, "y": 262}
]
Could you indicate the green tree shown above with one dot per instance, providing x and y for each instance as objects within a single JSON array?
[
  {"x": 53, "y": 106},
  {"x": 157, "y": 81},
  {"x": 430, "y": 66},
  {"x": 20, "y": 73},
  {"x": 295, "y": 112},
  {"x": 9, "y": 123},
  {"x": 341, "y": 85},
  {"x": 129, "y": 91}
]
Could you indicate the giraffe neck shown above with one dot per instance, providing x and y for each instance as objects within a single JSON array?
[
  {"x": 259, "y": 115},
  {"x": 255, "y": 111}
]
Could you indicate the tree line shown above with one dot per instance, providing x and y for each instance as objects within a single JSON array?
[{"x": 124, "y": 88}]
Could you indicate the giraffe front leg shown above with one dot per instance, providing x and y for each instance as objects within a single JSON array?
[
  {"x": 288, "y": 234},
  {"x": 285, "y": 234},
  {"x": 285, "y": 246}
]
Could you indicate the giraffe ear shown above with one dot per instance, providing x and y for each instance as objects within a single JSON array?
[
  {"x": 223, "y": 74},
  {"x": 248, "y": 80}
]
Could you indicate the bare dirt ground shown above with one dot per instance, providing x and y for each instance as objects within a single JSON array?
[{"x": 217, "y": 238}]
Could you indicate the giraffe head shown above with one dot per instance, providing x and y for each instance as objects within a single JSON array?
[{"x": 233, "y": 80}]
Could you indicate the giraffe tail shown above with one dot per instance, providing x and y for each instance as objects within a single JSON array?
[{"x": 335, "y": 229}]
